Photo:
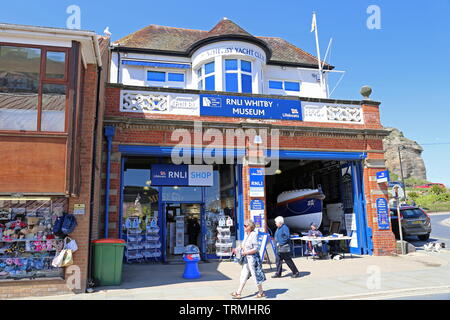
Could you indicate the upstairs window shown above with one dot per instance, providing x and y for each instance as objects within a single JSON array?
[
  {"x": 33, "y": 88},
  {"x": 166, "y": 79},
  {"x": 238, "y": 76},
  {"x": 283, "y": 87},
  {"x": 206, "y": 77}
]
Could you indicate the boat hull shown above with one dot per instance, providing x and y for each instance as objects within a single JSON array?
[{"x": 300, "y": 209}]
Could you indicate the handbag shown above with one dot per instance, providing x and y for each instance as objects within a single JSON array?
[
  {"x": 71, "y": 244},
  {"x": 57, "y": 260},
  {"x": 285, "y": 248},
  {"x": 67, "y": 259}
]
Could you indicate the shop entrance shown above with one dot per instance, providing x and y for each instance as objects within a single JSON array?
[
  {"x": 183, "y": 227},
  {"x": 327, "y": 193},
  {"x": 182, "y": 214}
]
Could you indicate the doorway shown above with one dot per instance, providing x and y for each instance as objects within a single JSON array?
[{"x": 183, "y": 227}]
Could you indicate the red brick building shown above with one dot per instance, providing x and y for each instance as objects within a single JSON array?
[
  {"x": 51, "y": 81},
  {"x": 178, "y": 89}
]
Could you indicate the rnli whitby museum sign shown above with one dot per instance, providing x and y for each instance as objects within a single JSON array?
[{"x": 250, "y": 107}]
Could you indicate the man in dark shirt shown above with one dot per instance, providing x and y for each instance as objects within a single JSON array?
[{"x": 282, "y": 238}]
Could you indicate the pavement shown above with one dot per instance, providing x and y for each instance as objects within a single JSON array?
[
  {"x": 418, "y": 275},
  {"x": 360, "y": 277}
]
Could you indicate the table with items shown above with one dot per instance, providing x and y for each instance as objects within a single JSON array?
[{"x": 305, "y": 239}]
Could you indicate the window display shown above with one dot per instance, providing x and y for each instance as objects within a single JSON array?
[{"x": 27, "y": 242}]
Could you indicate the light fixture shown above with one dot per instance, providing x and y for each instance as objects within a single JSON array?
[
  {"x": 175, "y": 187},
  {"x": 148, "y": 182},
  {"x": 257, "y": 139},
  {"x": 278, "y": 171}
]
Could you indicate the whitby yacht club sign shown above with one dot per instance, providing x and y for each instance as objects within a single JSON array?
[
  {"x": 232, "y": 50},
  {"x": 237, "y": 107}
]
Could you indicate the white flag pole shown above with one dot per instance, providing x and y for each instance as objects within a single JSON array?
[{"x": 314, "y": 26}]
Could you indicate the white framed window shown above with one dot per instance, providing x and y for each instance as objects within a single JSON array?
[
  {"x": 165, "y": 78},
  {"x": 284, "y": 87},
  {"x": 206, "y": 77},
  {"x": 238, "y": 75}
]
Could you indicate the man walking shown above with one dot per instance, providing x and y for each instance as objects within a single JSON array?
[{"x": 282, "y": 238}]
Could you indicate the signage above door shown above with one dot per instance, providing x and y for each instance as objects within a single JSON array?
[{"x": 181, "y": 175}]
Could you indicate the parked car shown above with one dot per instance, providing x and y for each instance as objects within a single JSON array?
[
  {"x": 414, "y": 220},
  {"x": 429, "y": 185}
]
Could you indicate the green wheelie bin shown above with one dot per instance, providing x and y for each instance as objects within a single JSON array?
[{"x": 108, "y": 258}]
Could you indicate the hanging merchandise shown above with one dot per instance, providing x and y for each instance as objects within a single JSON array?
[
  {"x": 224, "y": 241},
  {"x": 69, "y": 224},
  {"x": 28, "y": 241},
  {"x": 70, "y": 244}
]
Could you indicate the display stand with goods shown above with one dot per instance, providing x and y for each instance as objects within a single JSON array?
[
  {"x": 142, "y": 245},
  {"x": 152, "y": 243},
  {"x": 224, "y": 242},
  {"x": 134, "y": 247},
  {"x": 27, "y": 241}
]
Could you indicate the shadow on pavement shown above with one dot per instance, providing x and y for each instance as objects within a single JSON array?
[
  {"x": 273, "y": 293},
  {"x": 144, "y": 275}
]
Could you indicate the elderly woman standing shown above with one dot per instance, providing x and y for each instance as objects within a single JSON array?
[
  {"x": 252, "y": 264},
  {"x": 282, "y": 238}
]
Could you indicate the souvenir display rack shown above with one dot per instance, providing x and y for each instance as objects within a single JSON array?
[
  {"x": 27, "y": 243},
  {"x": 142, "y": 245},
  {"x": 224, "y": 244}
]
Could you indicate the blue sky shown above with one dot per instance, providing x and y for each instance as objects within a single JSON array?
[{"x": 406, "y": 62}]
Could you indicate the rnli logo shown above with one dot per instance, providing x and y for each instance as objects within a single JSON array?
[{"x": 211, "y": 102}]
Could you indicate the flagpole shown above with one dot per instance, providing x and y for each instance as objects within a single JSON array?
[{"x": 317, "y": 47}]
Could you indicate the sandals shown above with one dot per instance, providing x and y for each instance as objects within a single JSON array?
[
  {"x": 261, "y": 295},
  {"x": 236, "y": 295}
]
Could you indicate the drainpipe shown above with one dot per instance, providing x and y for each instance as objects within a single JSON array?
[
  {"x": 109, "y": 134},
  {"x": 94, "y": 161}
]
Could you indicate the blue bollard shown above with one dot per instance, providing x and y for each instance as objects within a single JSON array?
[{"x": 191, "y": 270}]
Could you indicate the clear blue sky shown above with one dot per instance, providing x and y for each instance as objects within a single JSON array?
[{"x": 407, "y": 61}]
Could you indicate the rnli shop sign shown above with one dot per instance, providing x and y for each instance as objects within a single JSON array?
[
  {"x": 256, "y": 182},
  {"x": 250, "y": 107},
  {"x": 181, "y": 175}
]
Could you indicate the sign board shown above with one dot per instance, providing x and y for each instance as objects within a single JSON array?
[
  {"x": 181, "y": 175},
  {"x": 257, "y": 214},
  {"x": 397, "y": 190},
  {"x": 382, "y": 176},
  {"x": 159, "y": 103},
  {"x": 382, "y": 213},
  {"x": 250, "y": 107},
  {"x": 263, "y": 239},
  {"x": 256, "y": 176},
  {"x": 79, "y": 208}
]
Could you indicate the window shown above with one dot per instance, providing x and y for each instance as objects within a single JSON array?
[
  {"x": 206, "y": 77},
  {"x": 283, "y": 87},
  {"x": 29, "y": 100},
  {"x": 165, "y": 79},
  {"x": 238, "y": 76}
]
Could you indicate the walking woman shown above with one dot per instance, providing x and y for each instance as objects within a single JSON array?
[
  {"x": 282, "y": 237},
  {"x": 251, "y": 263}
]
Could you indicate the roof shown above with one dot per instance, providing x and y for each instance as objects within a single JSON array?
[{"x": 179, "y": 41}]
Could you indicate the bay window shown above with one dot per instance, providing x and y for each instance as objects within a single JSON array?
[
  {"x": 33, "y": 88},
  {"x": 206, "y": 77},
  {"x": 238, "y": 76}
]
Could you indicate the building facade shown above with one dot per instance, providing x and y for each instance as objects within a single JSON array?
[
  {"x": 51, "y": 81},
  {"x": 251, "y": 115}
]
